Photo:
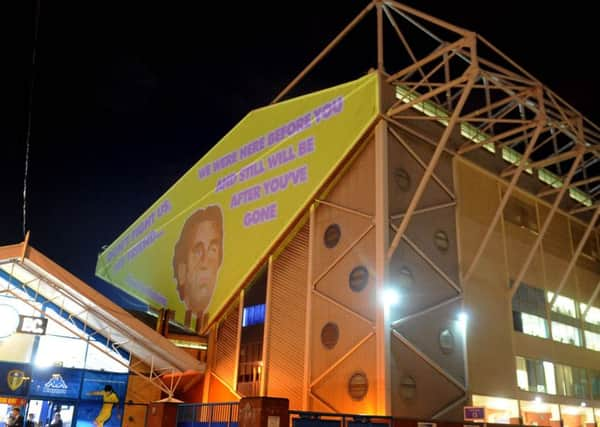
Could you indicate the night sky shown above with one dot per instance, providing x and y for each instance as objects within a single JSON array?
[{"x": 129, "y": 95}]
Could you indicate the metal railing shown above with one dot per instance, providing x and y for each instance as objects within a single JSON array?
[
  {"x": 324, "y": 419},
  {"x": 207, "y": 414}
]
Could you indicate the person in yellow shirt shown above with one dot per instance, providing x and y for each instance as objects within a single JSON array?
[{"x": 109, "y": 399}]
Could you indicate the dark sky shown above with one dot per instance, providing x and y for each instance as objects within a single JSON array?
[{"x": 129, "y": 95}]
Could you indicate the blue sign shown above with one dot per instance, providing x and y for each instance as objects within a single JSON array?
[
  {"x": 14, "y": 379},
  {"x": 56, "y": 382},
  {"x": 474, "y": 413},
  {"x": 95, "y": 381}
]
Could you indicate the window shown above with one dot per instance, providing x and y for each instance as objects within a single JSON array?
[
  {"x": 105, "y": 359},
  {"x": 530, "y": 300},
  {"x": 529, "y": 311},
  {"x": 571, "y": 381},
  {"x": 71, "y": 354},
  {"x": 253, "y": 315},
  {"x": 592, "y": 340},
  {"x": 562, "y": 305},
  {"x": 592, "y": 316},
  {"x": 498, "y": 410},
  {"x": 534, "y": 325},
  {"x": 535, "y": 375},
  {"x": 595, "y": 383},
  {"x": 566, "y": 334}
]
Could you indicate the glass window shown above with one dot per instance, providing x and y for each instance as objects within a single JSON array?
[
  {"x": 539, "y": 413},
  {"x": 55, "y": 327},
  {"x": 550, "y": 378},
  {"x": 530, "y": 300},
  {"x": 71, "y": 354},
  {"x": 592, "y": 316},
  {"x": 595, "y": 383},
  {"x": 566, "y": 334},
  {"x": 497, "y": 409},
  {"x": 253, "y": 315},
  {"x": 105, "y": 359},
  {"x": 592, "y": 340},
  {"x": 563, "y": 305},
  {"x": 534, "y": 325},
  {"x": 571, "y": 381},
  {"x": 576, "y": 416},
  {"x": 535, "y": 375}
]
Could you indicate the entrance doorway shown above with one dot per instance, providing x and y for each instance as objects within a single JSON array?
[{"x": 45, "y": 410}]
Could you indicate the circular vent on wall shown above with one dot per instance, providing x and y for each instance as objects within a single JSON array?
[
  {"x": 358, "y": 278},
  {"x": 358, "y": 385},
  {"x": 330, "y": 334},
  {"x": 332, "y": 236},
  {"x": 440, "y": 239}
]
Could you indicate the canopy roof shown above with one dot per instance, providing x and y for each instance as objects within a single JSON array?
[{"x": 28, "y": 275}]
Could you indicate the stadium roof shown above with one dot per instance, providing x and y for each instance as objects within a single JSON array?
[{"x": 458, "y": 78}]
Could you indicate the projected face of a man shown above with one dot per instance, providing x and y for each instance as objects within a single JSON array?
[{"x": 198, "y": 272}]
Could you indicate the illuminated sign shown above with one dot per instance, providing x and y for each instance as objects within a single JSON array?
[
  {"x": 56, "y": 385},
  {"x": 32, "y": 325},
  {"x": 15, "y": 379},
  {"x": 13, "y": 401},
  {"x": 195, "y": 246},
  {"x": 474, "y": 413},
  {"x": 55, "y": 381}
]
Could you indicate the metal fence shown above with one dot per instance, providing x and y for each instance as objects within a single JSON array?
[
  {"x": 208, "y": 414},
  {"x": 226, "y": 415},
  {"x": 322, "y": 419}
]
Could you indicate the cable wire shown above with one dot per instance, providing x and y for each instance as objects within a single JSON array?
[{"x": 29, "y": 112}]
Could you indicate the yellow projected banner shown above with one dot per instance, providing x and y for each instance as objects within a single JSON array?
[{"x": 194, "y": 248}]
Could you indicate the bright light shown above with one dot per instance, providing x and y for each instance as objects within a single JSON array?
[
  {"x": 463, "y": 317},
  {"x": 538, "y": 399},
  {"x": 10, "y": 320},
  {"x": 583, "y": 404},
  {"x": 390, "y": 297}
]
